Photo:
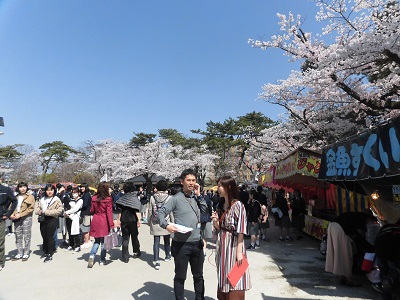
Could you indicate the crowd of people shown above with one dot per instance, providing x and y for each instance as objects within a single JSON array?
[
  {"x": 230, "y": 214},
  {"x": 84, "y": 220}
]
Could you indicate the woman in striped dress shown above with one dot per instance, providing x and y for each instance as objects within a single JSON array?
[{"x": 230, "y": 222}]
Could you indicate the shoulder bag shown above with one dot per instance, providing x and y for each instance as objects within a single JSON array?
[{"x": 42, "y": 217}]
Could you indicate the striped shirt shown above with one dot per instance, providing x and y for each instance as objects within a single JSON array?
[{"x": 234, "y": 222}]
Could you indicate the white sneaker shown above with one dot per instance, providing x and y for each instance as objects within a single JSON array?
[
  {"x": 90, "y": 261},
  {"x": 157, "y": 265},
  {"x": 102, "y": 263},
  {"x": 70, "y": 248},
  {"x": 77, "y": 249}
]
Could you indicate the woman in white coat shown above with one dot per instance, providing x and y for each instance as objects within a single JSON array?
[{"x": 72, "y": 216}]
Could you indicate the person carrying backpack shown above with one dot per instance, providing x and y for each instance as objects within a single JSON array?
[{"x": 156, "y": 202}]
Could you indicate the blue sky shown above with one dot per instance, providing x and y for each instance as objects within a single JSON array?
[{"x": 92, "y": 70}]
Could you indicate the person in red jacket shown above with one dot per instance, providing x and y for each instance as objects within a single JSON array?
[{"x": 102, "y": 221}]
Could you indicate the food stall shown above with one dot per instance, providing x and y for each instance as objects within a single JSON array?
[
  {"x": 368, "y": 164},
  {"x": 299, "y": 170}
]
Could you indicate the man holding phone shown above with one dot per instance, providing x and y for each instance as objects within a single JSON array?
[{"x": 186, "y": 207}]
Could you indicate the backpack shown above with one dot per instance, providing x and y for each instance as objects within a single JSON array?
[{"x": 156, "y": 206}]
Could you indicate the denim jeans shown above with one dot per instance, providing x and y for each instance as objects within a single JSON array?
[
  {"x": 97, "y": 242},
  {"x": 156, "y": 246},
  {"x": 185, "y": 253}
]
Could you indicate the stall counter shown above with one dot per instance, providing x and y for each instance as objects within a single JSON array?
[{"x": 316, "y": 227}]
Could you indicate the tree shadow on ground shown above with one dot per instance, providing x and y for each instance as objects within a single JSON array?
[
  {"x": 153, "y": 290},
  {"x": 303, "y": 266}
]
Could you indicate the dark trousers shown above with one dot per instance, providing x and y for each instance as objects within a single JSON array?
[
  {"x": 2, "y": 242},
  {"x": 129, "y": 230},
  {"x": 47, "y": 229},
  {"x": 156, "y": 246},
  {"x": 74, "y": 240},
  {"x": 55, "y": 237},
  {"x": 184, "y": 254}
]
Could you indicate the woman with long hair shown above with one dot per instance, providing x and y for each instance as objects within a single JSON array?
[
  {"x": 85, "y": 215},
  {"x": 102, "y": 221},
  {"x": 49, "y": 207},
  {"x": 230, "y": 222},
  {"x": 22, "y": 218}
]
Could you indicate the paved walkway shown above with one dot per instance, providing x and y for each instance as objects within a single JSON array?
[{"x": 279, "y": 270}]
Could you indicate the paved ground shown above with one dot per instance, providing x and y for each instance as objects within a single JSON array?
[{"x": 289, "y": 270}]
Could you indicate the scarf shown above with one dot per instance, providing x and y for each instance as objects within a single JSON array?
[{"x": 130, "y": 200}]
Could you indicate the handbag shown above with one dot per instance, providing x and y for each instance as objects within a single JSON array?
[
  {"x": 205, "y": 218},
  {"x": 41, "y": 218}
]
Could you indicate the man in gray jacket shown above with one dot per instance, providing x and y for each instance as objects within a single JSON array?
[
  {"x": 186, "y": 207},
  {"x": 8, "y": 203}
]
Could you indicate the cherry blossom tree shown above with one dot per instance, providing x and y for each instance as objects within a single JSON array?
[
  {"x": 123, "y": 160},
  {"x": 28, "y": 168},
  {"x": 359, "y": 70},
  {"x": 202, "y": 160},
  {"x": 348, "y": 74}
]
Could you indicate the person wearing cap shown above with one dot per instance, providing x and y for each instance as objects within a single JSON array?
[
  {"x": 8, "y": 203},
  {"x": 22, "y": 218}
]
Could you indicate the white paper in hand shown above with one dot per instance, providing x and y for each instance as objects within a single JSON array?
[{"x": 181, "y": 228}]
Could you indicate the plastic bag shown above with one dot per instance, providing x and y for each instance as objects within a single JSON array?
[
  {"x": 110, "y": 241},
  {"x": 120, "y": 239}
]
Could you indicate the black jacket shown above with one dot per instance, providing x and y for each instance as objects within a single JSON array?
[
  {"x": 298, "y": 206},
  {"x": 87, "y": 203},
  {"x": 8, "y": 201},
  {"x": 254, "y": 211},
  {"x": 282, "y": 204}
]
